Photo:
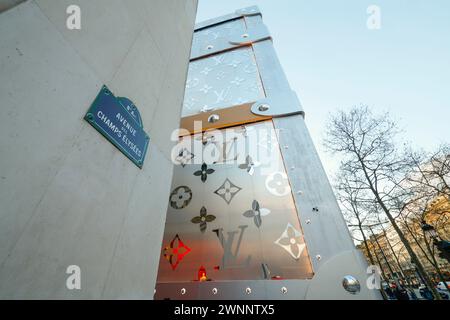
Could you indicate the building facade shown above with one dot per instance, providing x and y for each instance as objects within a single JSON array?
[{"x": 391, "y": 255}]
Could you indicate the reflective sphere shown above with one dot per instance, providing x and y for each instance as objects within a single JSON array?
[{"x": 351, "y": 284}]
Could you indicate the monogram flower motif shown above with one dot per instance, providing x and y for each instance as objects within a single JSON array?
[
  {"x": 256, "y": 213},
  {"x": 203, "y": 219},
  {"x": 184, "y": 157},
  {"x": 175, "y": 252},
  {"x": 249, "y": 165},
  {"x": 291, "y": 240},
  {"x": 277, "y": 184},
  {"x": 203, "y": 173},
  {"x": 205, "y": 89},
  {"x": 180, "y": 197},
  {"x": 227, "y": 191}
]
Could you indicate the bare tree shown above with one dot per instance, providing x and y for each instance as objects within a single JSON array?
[
  {"x": 411, "y": 221},
  {"x": 355, "y": 216},
  {"x": 430, "y": 172},
  {"x": 366, "y": 144},
  {"x": 429, "y": 179}
]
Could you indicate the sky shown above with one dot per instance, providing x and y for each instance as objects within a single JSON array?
[{"x": 334, "y": 61}]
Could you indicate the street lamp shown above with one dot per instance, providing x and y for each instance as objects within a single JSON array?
[{"x": 442, "y": 245}]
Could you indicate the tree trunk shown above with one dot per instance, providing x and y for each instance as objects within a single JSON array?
[
  {"x": 372, "y": 262},
  {"x": 402, "y": 237},
  {"x": 412, "y": 254},
  {"x": 384, "y": 256},
  {"x": 367, "y": 246},
  {"x": 385, "y": 278},
  {"x": 404, "y": 277}
]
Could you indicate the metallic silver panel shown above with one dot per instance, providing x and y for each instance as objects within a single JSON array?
[
  {"x": 216, "y": 38},
  {"x": 249, "y": 11},
  {"x": 272, "y": 74},
  {"x": 327, "y": 283},
  {"x": 252, "y": 35},
  {"x": 324, "y": 225},
  {"x": 228, "y": 33},
  {"x": 222, "y": 80},
  {"x": 233, "y": 217},
  {"x": 279, "y": 105}
]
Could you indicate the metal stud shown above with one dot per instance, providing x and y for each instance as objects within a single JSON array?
[
  {"x": 300, "y": 192},
  {"x": 284, "y": 290},
  {"x": 213, "y": 118},
  {"x": 308, "y": 221},
  {"x": 351, "y": 284},
  {"x": 210, "y": 47},
  {"x": 183, "y": 291},
  {"x": 264, "y": 107},
  {"x": 286, "y": 147},
  {"x": 245, "y": 35},
  {"x": 248, "y": 290},
  {"x": 318, "y": 257},
  {"x": 214, "y": 291}
]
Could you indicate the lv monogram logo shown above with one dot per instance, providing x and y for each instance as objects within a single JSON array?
[
  {"x": 227, "y": 151},
  {"x": 229, "y": 259}
]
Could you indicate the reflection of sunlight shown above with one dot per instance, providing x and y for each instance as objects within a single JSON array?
[
  {"x": 248, "y": 193},
  {"x": 206, "y": 79}
]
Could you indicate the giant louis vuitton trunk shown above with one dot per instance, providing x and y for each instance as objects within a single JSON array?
[{"x": 251, "y": 214}]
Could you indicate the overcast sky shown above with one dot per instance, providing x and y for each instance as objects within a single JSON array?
[{"x": 333, "y": 60}]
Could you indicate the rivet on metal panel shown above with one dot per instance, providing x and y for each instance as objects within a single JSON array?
[
  {"x": 284, "y": 290},
  {"x": 214, "y": 291},
  {"x": 210, "y": 47},
  {"x": 286, "y": 147},
  {"x": 213, "y": 118},
  {"x": 248, "y": 291},
  {"x": 300, "y": 192},
  {"x": 308, "y": 221},
  {"x": 351, "y": 284},
  {"x": 245, "y": 35},
  {"x": 316, "y": 209},
  {"x": 318, "y": 257},
  {"x": 183, "y": 291},
  {"x": 263, "y": 108},
  {"x": 282, "y": 103},
  {"x": 292, "y": 168}
]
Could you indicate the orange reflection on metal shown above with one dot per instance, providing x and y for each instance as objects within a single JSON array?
[{"x": 202, "y": 274}]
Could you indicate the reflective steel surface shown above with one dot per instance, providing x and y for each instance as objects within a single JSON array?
[
  {"x": 231, "y": 213},
  {"x": 222, "y": 80}
]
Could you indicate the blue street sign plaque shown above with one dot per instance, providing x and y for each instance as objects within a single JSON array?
[{"x": 119, "y": 121}]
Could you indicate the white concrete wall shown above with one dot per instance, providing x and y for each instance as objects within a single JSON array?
[
  {"x": 8, "y": 4},
  {"x": 67, "y": 195}
]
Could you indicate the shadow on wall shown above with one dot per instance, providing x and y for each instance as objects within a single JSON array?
[{"x": 8, "y": 4}]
